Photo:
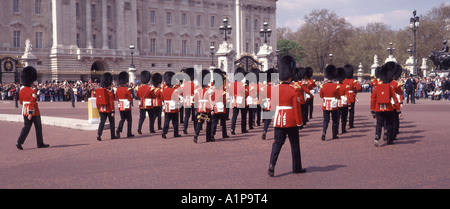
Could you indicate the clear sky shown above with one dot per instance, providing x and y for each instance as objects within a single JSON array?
[{"x": 395, "y": 13}]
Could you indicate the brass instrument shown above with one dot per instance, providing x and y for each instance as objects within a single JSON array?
[{"x": 204, "y": 117}]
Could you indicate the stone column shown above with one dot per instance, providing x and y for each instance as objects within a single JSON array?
[
  {"x": 374, "y": 66},
  {"x": 120, "y": 27},
  {"x": 266, "y": 56},
  {"x": 105, "y": 24},
  {"x": 226, "y": 57},
  {"x": 88, "y": 25}
]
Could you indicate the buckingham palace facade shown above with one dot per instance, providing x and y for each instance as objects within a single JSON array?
[{"x": 80, "y": 39}]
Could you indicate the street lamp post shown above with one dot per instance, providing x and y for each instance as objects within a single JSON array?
[
  {"x": 414, "y": 24},
  {"x": 225, "y": 28},
  {"x": 265, "y": 31},
  {"x": 132, "y": 53},
  {"x": 212, "y": 48}
]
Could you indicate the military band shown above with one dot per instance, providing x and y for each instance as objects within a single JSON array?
[{"x": 208, "y": 96}]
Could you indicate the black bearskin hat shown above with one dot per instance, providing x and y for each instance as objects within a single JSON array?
[
  {"x": 341, "y": 74},
  {"x": 167, "y": 78},
  {"x": 330, "y": 72},
  {"x": 190, "y": 72},
  {"x": 348, "y": 71},
  {"x": 206, "y": 77},
  {"x": 124, "y": 78},
  {"x": 220, "y": 73},
  {"x": 300, "y": 74},
  {"x": 106, "y": 80},
  {"x": 309, "y": 72},
  {"x": 286, "y": 67},
  {"x": 398, "y": 72},
  {"x": 256, "y": 71},
  {"x": 269, "y": 72},
  {"x": 145, "y": 77},
  {"x": 156, "y": 79},
  {"x": 387, "y": 71},
  {"x": 239, "y": 74},
  {"x": 377, "y": 72},
  {"x": 29, "y": 75}
]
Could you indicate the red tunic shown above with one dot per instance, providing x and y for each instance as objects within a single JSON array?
[
  {"x": 146, "y": 96},
  {"x": 202, "y": 97},
  {"x": 170, "y": 97},
  {"x": 383, "y": 98},
  {"x": 218, "y": 100},
  {"x": 265, "y": 96},
  {"x": 398, "y": 93},
  {"x": 354, "y": 88},
  {"x": 105, "y": 100},
  {"x": 238, "y": 94},
  {"x": 329, "y": 93},
  {"x": 123, "y": 95},
  {"x": 28, "y": 98},
  {"x": 157, "y": 102},
  {"x": 286, "y": 102},
  {"x": 343, "y": 95}
]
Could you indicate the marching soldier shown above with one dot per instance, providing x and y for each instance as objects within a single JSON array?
[
  {"x": 382, "y": 102},
  {"x": 286, "y": 120},
  {"x": 238, "y": 102},
  {"x": 105, "y": 105},
  {"x": 146, "y": 97},
  {"x": 202, "y": 100},
  {"x": 171, "y": 110},
  {"x": 343, "y": 99},
  {"x": 266, "y": 95},
  {"x": 354, "y": 89},
  {"x": 253, "y": 100},
  {"x": 157, "y": 102},
  {"x": 311, "y": 83},
  {"x": 329, "y": 93},
  {"x": 187, "y": 89},
  {"x": 218, "y": 103},
  {"x": 398, "y": 88},
  {"x": 30, "y": 109},
  {"x": 123, "y": 95}
]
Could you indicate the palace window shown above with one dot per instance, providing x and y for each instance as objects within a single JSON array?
[{"x": 16, "y": 39}]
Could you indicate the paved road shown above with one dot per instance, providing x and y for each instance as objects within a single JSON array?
[{"x": 419, "y": 159}]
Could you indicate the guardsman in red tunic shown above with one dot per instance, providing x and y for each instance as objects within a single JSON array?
[
  {"x": 30, "y": 109},
  {"x": 265, "y": 98},
  {"x": 329, "y": 93},
  {"x": 398, "y": 87},
  {"x": 124, "y": 98},
  {"x": 254, "y": 109},
  {"x": 157, "y": 102},
  {"x": 311, "y": 83},
  {"x": 238, "y": 101},
  {"x": 146, "y": 97},
  {"x": 187, "y": 89},
  {"x": 354, "y": 89},
  {"x": 170, "y": 97},
  {"x": 218, "y": 103},
  {"x": 105, "y": 105},
  {"x": 304, "y": 93},
  {"x": 286, "y": 120},
  {"x": 382, "y": 102},
  {"x": 203, "y": 102},
  {"x": 375, "y": 78},
  {"x": 343, "y": 99}
]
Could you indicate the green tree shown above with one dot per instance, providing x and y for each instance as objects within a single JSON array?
[{"x": 288, "y": 47}]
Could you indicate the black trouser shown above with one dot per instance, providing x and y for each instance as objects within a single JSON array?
[
  {"x": 326, "y": 120},
  {"x": 243, "y": 119},
  {"x": 408, "y": 94},
  {"x": 310, "y": 104},
  {"x": 386, "y": 119},
  {"x": 351, "y": 111},
  {"x": 188, "y": 112},
  {"x": 142, "y": 116},
  {"x": 171, "y": 117},
  {"x": 112, "y": 125},
  {"x": 125, "y": 115},
  {"x": 304, "y": 109},
  {"x": 208, "y": 127},
  {"x": 26, "y": 129},
  {"x": 215, "y": 120},
  {"x": 280, "y": 138},
  {"x": 157, "y": 112},
  {"x": 396, "y": 121},
  {"x": 254, "y": 116},
  {"x": 343, "y": 113},
  {"x": 181, "y": 114}
]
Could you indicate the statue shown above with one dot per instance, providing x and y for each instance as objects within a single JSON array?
[{"x": 28, "y": 47}]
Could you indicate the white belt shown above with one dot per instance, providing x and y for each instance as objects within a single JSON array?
[
  {"x": 329, "y": 98},
  {"x": 203, "y": 100},
  {"x": 350, "y": 91},
  {"x": 285, "y": 107}
]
